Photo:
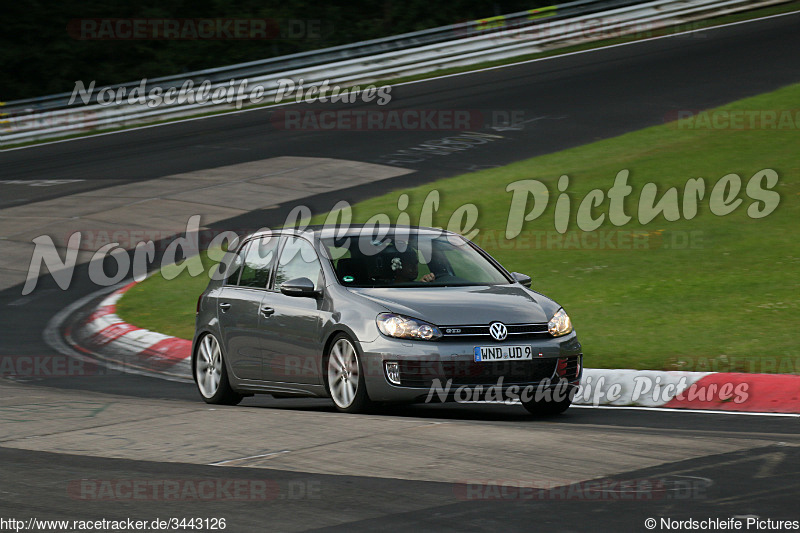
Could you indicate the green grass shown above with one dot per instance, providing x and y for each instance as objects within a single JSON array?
[
  {"x": 166, "y": 306},
  {"x": 707, "y": 23},
  {"x": 728, "y": 302}
]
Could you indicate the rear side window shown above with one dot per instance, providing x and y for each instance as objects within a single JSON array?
[
  {"x": 233, "y": 265},
  {"x": 256, "y": 260}
]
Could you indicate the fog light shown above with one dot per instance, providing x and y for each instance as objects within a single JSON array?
[{"x": 393, "y": 373}]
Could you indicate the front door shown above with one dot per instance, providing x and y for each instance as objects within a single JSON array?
[{"x": 293, "y": 347}]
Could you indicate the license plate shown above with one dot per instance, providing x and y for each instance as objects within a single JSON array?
[{"x": 488, "y": 354}]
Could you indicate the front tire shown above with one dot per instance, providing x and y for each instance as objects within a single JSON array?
[
  {"x": 345, "y": 377},
  {"x": 211, "y": 374}
]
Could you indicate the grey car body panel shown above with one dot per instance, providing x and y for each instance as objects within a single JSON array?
[
  {"x": 242, "y": 330},
  {"x": 511, "y": 304},
  {"x": 377, "y": 352},
  {"x": 292, "y": 346}
]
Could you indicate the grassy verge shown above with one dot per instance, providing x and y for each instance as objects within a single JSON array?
[
  {"x": 709, "y": 293},
  {"x": 709, "y": 23},
  {"x": 165, "y": 302}
]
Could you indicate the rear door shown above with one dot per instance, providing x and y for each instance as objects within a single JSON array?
[{"x": 239, "y": 307}]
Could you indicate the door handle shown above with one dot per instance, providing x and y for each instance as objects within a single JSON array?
[
  {"x": 224, "y": 306},
  {"x": 267, "y": 311}
]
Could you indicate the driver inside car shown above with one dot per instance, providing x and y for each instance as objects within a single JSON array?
[{"x": 405, "y": 268}]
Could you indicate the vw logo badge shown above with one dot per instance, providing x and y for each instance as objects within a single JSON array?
[{"x": 498, "y": 331}]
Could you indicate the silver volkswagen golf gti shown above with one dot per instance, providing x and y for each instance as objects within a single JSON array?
[{"x": 365, "y": 315}]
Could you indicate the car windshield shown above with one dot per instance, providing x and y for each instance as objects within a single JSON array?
[{"x": 410, "y": 260}]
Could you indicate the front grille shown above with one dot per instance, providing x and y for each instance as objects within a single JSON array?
[
  {"x": 419, "y": 373},
  {"x": 476, "y": 333}
]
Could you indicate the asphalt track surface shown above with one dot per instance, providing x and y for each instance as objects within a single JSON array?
[{"x": 567, "y": 101}]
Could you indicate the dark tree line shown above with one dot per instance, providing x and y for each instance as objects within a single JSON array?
[{"x": 40, "y": 55}]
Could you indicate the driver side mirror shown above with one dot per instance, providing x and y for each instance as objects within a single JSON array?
[
  {"x": 300, "y": 287},
  {"x": 522, "y": 279}
]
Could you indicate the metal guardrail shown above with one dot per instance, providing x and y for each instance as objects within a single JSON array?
[
  {"x": 355, "y": 50},
  {"x": 371, "y": 61}
]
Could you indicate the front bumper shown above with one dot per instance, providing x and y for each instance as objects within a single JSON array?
[{"x": 427, "y": 365}]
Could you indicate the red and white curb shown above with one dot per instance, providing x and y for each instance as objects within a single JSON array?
[
  {"x": 104, "y": 333},
  {"x": 719, "y": 391}
]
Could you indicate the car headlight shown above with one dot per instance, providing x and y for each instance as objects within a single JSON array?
[
  {"x": 407, "y": 328},
  {"x": 560, "y": 324}
]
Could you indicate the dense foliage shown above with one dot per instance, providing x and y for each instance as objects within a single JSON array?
[{"x": 40, "y": 56}]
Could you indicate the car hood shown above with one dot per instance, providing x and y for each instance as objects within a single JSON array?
[{"x": 511, "y": 304}]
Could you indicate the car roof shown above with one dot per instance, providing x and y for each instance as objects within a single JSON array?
[{"x": 352, "y": 230}]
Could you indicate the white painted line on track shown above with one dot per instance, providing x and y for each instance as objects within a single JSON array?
[
  {"x": 485, "y": 69},
  {"x": 223, "y": 463}
]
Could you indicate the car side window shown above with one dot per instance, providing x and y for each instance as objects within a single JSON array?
[
  {"x": 231, "y": 266},
  {"x": 257, "y": 262},
  {"x": 298, "y": 260}
]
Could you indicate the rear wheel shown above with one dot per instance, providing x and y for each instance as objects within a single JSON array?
[
  {"x": 210, "y": 373},
  {"x": 345, "y": 377}
]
